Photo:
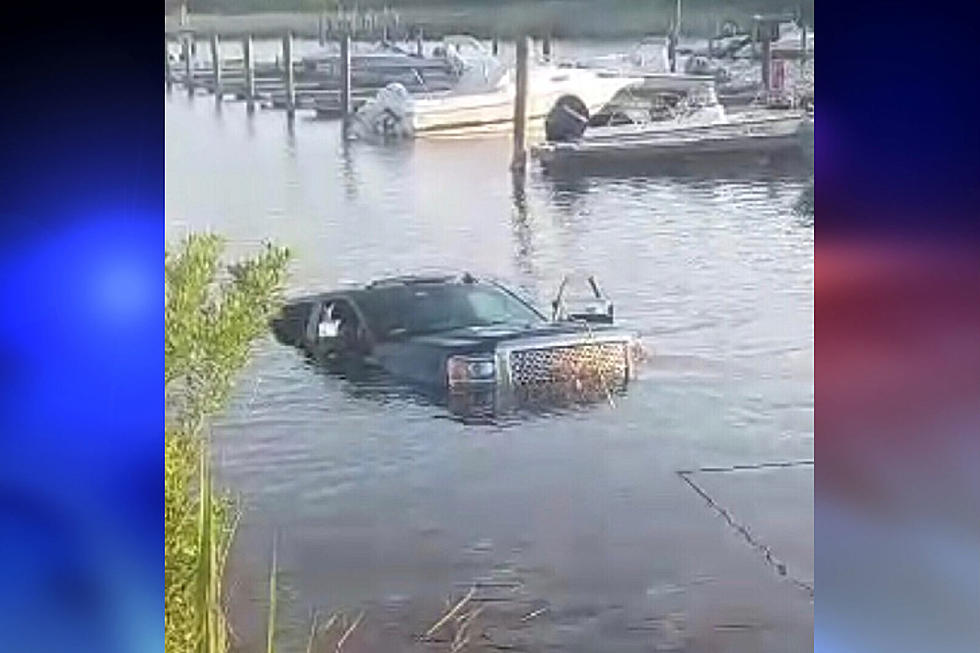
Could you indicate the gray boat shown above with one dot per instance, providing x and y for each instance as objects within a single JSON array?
[{"x": 666, "y": 116}]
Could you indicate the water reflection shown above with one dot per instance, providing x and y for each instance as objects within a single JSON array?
[
  {"x": 572, "y": 178},
  {"x": 348, "y": 171},
  {"x": 568, "y": 189},
  {"x": 250, "y": 122},
  {"x": 804, "y": 207},
  {"x": 291, "y": 136},
  {"x": 523, "y": 233}
]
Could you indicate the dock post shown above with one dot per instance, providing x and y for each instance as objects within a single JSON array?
[
  {"x": 419, "y": 43},
  {"x": 345, "y": 106},
  {"x": 495, "y": 45},
  {"x": 249, "y": 63},
  {"x": 766, "y": 62},
  {"x": 519, "y": 162},
  {"x": 216, "y": 66},
  {"x": 188, "y": 66},
  {"x": 320, "y": 27},
  {"x": 675, "y": 37},
  {"x": 802, "y": 37},
  {"x": 546, "y": 47},
  {"x": 169, "y": 73},
  {"x": 287, "y": 59}
]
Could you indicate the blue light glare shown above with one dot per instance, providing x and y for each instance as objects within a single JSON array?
[{"x": 79, "y": 333}]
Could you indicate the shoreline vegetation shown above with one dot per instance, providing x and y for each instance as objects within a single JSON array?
[
  {"x": 569, "y": 19},
  {"x": 214, "y": 313}
]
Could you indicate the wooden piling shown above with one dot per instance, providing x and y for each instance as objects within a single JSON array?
[
  {"x": 249, "y": 64},
  {"x": 546, "y": 47},
  {"x": 289, "y": 73},
  {"x": 216, "y": 66},
  {"x": 519, "y": 162},
  {"x": 674, "y": 37},
  {"x": 495, "y": 46},
  {"x": 802, "y": 37},
  {"x": 345, "y": 97},
  {"x": 419, "y": 43},
  {"x": 169, "y": 73},
  {"x": 766, "y": 58},
  {"x": 321, "y": 26},
  {"x": 766, "y": 61},
  {"x": 188, "y": 66}
]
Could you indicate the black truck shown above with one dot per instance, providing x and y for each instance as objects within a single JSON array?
[{"x": 472, "y": 339}]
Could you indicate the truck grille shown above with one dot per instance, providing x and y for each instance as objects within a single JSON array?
[{"x": 593, "y": 363}]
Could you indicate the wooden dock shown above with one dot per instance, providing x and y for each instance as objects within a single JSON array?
[{"x": 314, "y": 83}]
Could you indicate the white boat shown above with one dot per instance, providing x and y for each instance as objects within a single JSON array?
[
  {"x": 483, "y": 96},
  {"x": 677, "y": 116},
  {"x": 789, "y": 45},
  {"x": 650, "y": 55},
  {"x": 790, "y": 41}
]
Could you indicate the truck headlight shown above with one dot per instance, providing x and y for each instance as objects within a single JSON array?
[{"x": 464, "y": 370}]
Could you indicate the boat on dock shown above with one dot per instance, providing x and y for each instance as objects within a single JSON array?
[
  {"x": 384, "y": 64},
  {"x": 650, "y": 55},
  {"x": 483, "y": 96},
  {"x": 670, "y": 116},
  {"x": 791, "y": 42}
]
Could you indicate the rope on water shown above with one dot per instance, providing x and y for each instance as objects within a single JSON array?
[{"x": 740, "y": 528}]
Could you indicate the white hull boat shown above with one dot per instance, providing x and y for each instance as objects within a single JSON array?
[
  {"x": 650, "y": 55},
  {"x": 482, "y": 98},
  {"x": 682, "y": 118},
  {"x": 789, "y": 45}
]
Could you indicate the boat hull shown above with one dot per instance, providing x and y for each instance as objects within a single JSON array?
[
  {"x": 451, "y": 112},
  {"x": 737, "y": 135}
]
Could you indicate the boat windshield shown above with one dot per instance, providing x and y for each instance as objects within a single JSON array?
[
  {"x": 414, "y": 309},
  {"x": 477, "y": 70}
]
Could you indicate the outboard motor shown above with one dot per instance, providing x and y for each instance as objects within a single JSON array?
[
  {"x": 567, "y": 119},
  {"x": 386, "y": 116}
]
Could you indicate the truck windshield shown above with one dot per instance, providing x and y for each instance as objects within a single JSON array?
[{"x": 424, "y": 308}]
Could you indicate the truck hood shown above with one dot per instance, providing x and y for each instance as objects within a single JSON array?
[{"x": 484, "y": 338}]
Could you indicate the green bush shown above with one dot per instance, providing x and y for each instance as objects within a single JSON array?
[{"x": 213, "y": 315}]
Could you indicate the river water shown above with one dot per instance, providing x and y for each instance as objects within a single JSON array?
[{"x": 381, "y": 503}]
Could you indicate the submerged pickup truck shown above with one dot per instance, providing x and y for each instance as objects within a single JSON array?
[{"x": 460, "y": 335}]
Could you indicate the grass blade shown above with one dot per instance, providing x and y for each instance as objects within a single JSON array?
[
  {"x": 347, "y": 633},
  {"x": 271, "y": 628},
  {"x": 205, "y": 557},
  {"x": 449, "y": 615},
  {"x": 310, "y": 641}
]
